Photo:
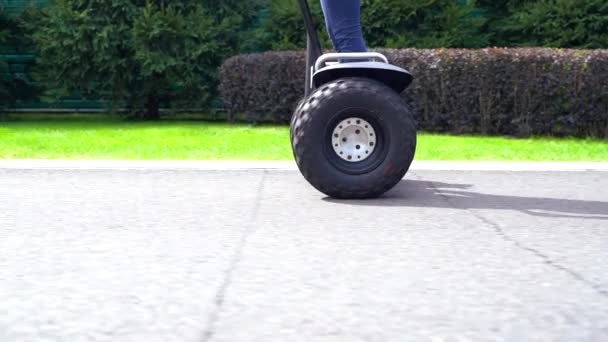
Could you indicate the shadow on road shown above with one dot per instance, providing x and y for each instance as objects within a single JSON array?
[{"x": 413, "y": 193}]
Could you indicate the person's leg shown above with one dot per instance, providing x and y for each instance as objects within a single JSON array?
[
  {"x": 328, "y": 23},
  {"x": 343, "y": 20}
]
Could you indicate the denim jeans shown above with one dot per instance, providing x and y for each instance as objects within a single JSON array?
[{"x": 343, "y": 21}]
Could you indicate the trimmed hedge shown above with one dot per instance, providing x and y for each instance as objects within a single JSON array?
[{"x": 496, "y": 91}]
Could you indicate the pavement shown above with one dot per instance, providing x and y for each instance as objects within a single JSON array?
[{"x": 193, "y": 253}]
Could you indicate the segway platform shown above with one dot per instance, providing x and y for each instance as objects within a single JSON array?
[{"x": 352, "y": 135}]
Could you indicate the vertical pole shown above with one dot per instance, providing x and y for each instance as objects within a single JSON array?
[{"x": 313, "y": 45}]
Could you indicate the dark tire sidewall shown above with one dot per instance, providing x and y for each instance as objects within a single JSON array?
[{"x": 368, "y": 100}]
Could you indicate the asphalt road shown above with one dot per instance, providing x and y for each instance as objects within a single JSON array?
[{"x": 186, "y": 255}]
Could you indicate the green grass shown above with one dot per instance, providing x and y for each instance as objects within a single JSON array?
[{"x": 95, "y": 137}]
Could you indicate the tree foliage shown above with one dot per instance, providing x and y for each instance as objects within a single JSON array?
[
  {"x": 422, "y": 24},
  {"x": 451, "y": 23},
  {"x": 142, "y": 53},
  {"x": 148, "y": 54},
  {"x": 284, "y": 28},
  {"x": 385, "y": 23},
  {"x": 557, "y": 23}
]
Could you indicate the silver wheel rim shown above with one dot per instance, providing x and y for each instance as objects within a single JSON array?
[{"x": 354, "y": 139}]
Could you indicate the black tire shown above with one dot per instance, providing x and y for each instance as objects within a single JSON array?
[{"x": 311, "y": 138}]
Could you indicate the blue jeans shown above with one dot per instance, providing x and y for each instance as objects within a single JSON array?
[{"x": 343, "y": 21}]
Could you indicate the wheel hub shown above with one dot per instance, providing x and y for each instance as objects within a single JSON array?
[{"x": 354, "y": 139}]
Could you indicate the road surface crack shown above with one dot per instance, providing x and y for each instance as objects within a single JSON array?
[
  {"x": 504, "y": 236},
  {"x": 236, "y": 258},
  {"x": 546, "y": 259}
]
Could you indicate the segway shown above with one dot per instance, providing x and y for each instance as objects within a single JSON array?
[{"x": 353, "y": 135}]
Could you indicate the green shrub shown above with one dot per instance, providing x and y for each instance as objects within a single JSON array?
[
  {"x": 422, "y": 24},
  {"x": 557, "y": 23},
  {"x": 385, "y": 23},
  {"x": 458, "y": 24},
  {"x": 284, "y": 27},
  {"x": 151, "y": 53},
  {"x": 176, "y": 51},
  {"x": 142, "y": 53},
  {"x": 239, "y": 17},
  {"x": 517, "y": 91},
  {"x": 262, "y": 86}
]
